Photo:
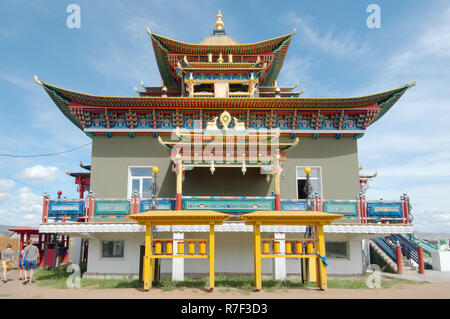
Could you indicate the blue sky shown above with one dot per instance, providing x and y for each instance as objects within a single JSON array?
[{"x": 333, "y": 53}]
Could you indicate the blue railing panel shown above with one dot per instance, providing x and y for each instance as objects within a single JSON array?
[
  {"x": 383, "y": 209},
  {"x": 112, "y": 207},
  {"x": 237, "y": 205},
  {"x": 161, "y": 204},
  {"x": 71, "y": 209},
  {"x": 293, "y": 204},
  {"x": 348, "y": 208}
]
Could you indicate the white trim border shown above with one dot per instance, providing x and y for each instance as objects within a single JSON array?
[{"x": 87, "y": 228}]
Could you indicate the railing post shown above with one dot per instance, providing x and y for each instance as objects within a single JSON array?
[
  {"x": 358, "y": 207},
  {"x": 405, "y": 211},
  {"x": 317, "y": 202},
  {"x": 421, "y": 263},
  {"x": 87, "y": 207},
  {"x": 132, "y": 204},
  {"x": 364, "y": 209},
  {"x": 138, "y": 204},
  {"x": 398, "y": 253},
  {"x": 92, "y": 210},
  {"x": 45, "y": 208}
]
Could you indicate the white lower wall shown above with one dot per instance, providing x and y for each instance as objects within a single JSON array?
[
  {"x": 234, "y": 254},
  {"x": 76, "y": 250},
  {"x": 129, "y": 264},
  {"x": 441, "y": 260}
]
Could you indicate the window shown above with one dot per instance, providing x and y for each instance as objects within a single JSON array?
[
  {"x": 336, "y": 250},
  {"x": 139, "y": 181},
  {"x": 315, "y": 178},
  {"x": 112, "y": 249}
]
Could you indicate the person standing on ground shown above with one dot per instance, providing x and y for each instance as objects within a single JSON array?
[
  {"x": 7, "y": 261},
  {"x": 20, "y": 266},
  {"x": 30, "y": 256}
]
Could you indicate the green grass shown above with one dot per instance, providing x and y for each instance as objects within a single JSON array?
[{"x": 57, "y": 279}]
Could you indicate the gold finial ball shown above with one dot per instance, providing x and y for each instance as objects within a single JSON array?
[
  {"x": 307, "y": 170},
  {"x": 155, "y": 170},
  {"x": 219, "y": 22}
]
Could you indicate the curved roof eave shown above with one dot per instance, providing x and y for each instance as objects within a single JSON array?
[
  {"x": 163, "y": 45},
  {"x": 63, "y": 98}
]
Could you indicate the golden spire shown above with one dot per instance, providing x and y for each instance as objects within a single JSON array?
[{"x": 219, "y": 22}]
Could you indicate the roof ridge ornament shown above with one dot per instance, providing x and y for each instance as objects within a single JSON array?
[
  {"x": 37, "y": 80},
  {"x": 219, "y": 25}
]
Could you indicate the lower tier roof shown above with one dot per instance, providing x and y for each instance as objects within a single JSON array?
[{"x": 66, "y": 100}]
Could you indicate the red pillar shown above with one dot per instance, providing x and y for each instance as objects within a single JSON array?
[
  {"x": 178, "y": 202},
  {"x": 92, "y": 210},
  {"x": 421, "y": 263},
  {"x": 398, "y": 252},
  {"x": 21, "y": 241},
  {"x": 406, "y": 205},
  {"x": 45, "y": 207},
  {"x": 66, "y": 246},
  {"x": 277, "y": 202}
]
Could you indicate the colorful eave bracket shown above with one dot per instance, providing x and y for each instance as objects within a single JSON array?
[{"x": 288, "y": 114}]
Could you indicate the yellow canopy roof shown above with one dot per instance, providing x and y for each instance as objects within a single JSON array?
[
  {"x": 180, "y": 217},
  {"x": 265, "y": 217}
]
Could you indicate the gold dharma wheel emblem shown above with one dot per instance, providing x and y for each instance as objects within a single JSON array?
[{"x": 225, "y": 119}]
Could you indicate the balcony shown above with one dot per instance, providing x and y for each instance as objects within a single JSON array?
[{"x": 92, "y": 209}]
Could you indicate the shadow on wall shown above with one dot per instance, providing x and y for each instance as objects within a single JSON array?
[{"x": 224, "y": 182}]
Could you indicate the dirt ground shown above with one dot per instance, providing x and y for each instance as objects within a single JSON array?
[{"x": 14, "y": 289}]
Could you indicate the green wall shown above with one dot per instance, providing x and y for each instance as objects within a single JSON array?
[{"x": 112, "y": 156}]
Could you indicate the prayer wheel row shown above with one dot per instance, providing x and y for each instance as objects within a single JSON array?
[
  {"x": 288, "y": 247},
  {"x": 180, "y": 248}
]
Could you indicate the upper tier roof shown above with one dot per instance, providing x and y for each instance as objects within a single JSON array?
[{"x": 216, "y": 45}]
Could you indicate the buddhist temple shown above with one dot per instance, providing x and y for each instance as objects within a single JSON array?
[{"x": 221, "y": 135}]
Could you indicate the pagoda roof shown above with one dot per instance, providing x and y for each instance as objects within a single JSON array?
[
  {"x": 163, "y": 46},
  {"x": 64, "y": 98}
]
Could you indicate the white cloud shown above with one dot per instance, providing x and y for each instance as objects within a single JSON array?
[
  {"x": 410, "y": 145},
  {"x": 344, "y": 44},
  {"x": 28, "y": 201},
  {"x": 25, "y": 208},
  {"x": 31, "y": 217},
  {"x": 6, "y": 185},
  {"x": 39, "y": 173}
]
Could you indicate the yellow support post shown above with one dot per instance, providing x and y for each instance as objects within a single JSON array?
[
  {"x": 257, "y": 255},
  {"x": 320, "y": 250},
  {"x": 312, "y": 265},
  {"x": 211, "y": 257},
  {"x": 147, "y": 258}
]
